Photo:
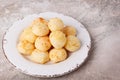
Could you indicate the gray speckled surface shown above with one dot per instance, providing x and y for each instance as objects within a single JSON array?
[{"x": 100, "y": 17}]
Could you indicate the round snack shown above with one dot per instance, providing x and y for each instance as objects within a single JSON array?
[
  {"x": 68, "y": 30},
  {"x": 40, "y": 20},
  {"x": 25, "y": 47},
  {"x": 43, "y": 43},
  {"x": 72, "y": 43},
  {"x": 39, "y": 28},
  {"x": 57, "y": 55},
  {"x": 55, "y": 24},
  {"x": 57, "y": 39},
  {"x": 28, "y": 35},
  {"x": 39, "y": 56}
]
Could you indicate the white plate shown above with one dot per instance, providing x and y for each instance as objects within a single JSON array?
[{"x": 48, "y": 70}]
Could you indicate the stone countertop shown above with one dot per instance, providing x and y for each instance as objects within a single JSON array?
[{"x": 100, "y": 17}]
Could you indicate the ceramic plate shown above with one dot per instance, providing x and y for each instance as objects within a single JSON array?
[{"x": 47, "y": 70}]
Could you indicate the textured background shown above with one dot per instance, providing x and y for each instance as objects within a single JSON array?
[{"x": 100, "y": 17}]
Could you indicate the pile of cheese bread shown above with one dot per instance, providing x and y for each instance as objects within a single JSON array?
[{"x": 48, "y": 40}]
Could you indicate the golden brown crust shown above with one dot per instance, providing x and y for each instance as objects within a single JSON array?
[
  {"x": 57, "y": 39},
  {"x": 72, "y": 44},
  {"x": 69, "y": 30},
  {"x": 57, "y": 55},
  {"x": 28, "y": 35},
  {"x": 43, "y": 43},
  {"x": 25, "y": 47},
  {"x": 39, "y": 56},
  {"x": 40, "y": 20},
  {"x": 39, "y": 27},
  {"x": 55, "y": 24}
]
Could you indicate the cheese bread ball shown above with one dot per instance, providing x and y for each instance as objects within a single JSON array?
[
  {"x": 39, "y": 28},
  {"x": 39, "y": 56},
  {"x": 68, "y": 30},
  {"x": 57, "y": 55},
  {"x": 25, "y": 47},
  {"x": 57, "y": 39},
  {"x": 72, "y": 43},
  {"x": 55, "y": 24},
  {"x": 28, "y": 35},
  {"x": 40, "y": 20},
  {"x": 43, "y": 43}
]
